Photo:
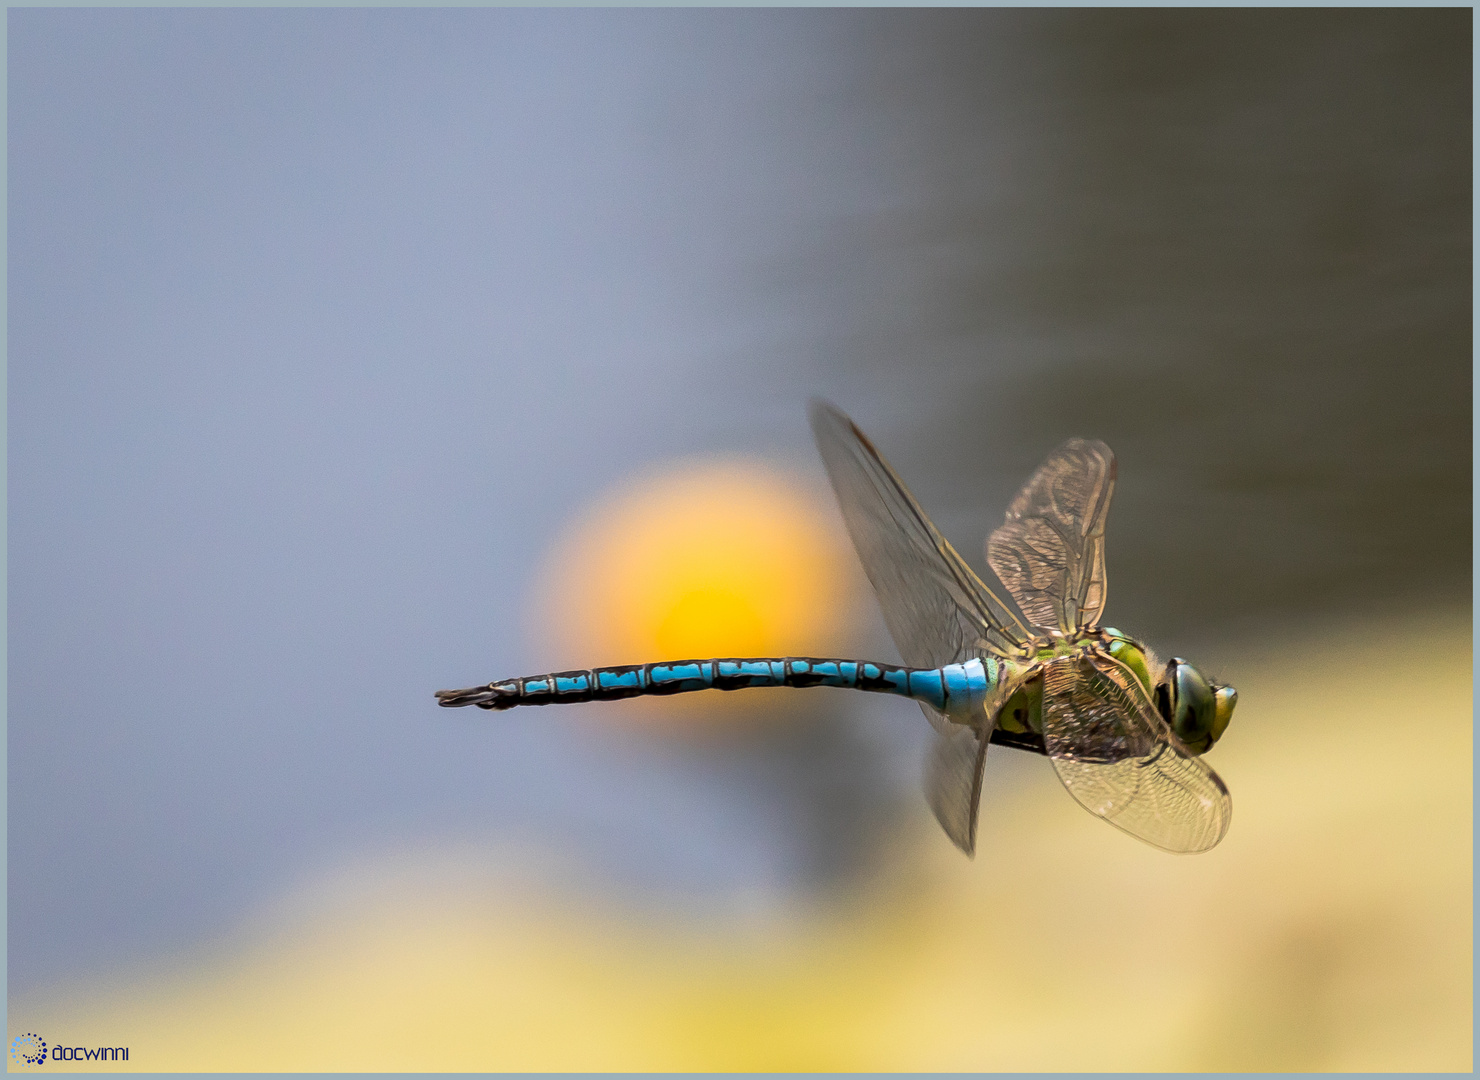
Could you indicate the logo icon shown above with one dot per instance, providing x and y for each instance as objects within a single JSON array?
[{"x": 29, "y": 1049}]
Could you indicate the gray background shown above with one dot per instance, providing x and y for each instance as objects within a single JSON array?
[{"x": 322, "y": 323}]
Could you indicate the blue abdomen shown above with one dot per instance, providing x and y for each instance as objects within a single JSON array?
[{"x": 955, "y": 689}]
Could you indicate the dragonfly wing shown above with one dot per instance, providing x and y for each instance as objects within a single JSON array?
[
  {"x": 953, "y": 781},
  {"x": 935, "y": 606},
  {"x": 1050, "y": 553},
  {"x": 937, "y": 609},
  {"x": 1120, "y": 760}
]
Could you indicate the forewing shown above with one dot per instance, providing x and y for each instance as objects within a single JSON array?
[
  {"x": 953, "y": 781},
  {"x": 1120, "y": 760},
  {"x": 1050, "y": 553},
  {"x": 937, "y": 609},
  {"x": 935, "y": 606}
]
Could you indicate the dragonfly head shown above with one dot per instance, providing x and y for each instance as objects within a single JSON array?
[{"x": 1198, "y": 711}]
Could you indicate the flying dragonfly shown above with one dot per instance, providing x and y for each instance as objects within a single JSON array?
[{"x": 1047, "y": 678}]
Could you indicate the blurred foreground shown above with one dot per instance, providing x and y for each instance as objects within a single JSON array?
[{"x": 1330, "y": 931}]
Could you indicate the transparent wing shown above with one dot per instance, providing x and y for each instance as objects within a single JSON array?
[
  {"x": 937, "y": 609},
  {"x": 1121, "y": 762},
  {"x": 935, "y": 606},
  {"x": 1051, "y": 552},
  {"x": 953, "y": 781}
]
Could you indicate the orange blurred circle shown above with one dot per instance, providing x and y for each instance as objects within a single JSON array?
[{"x": 729, "y": 558}]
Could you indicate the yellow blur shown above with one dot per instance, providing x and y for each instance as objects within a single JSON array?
[
  {"x": 722, "y": 558},
  {"x": 1330, "y": 930}
]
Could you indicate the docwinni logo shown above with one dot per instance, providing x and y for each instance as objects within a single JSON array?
[
  {"x": 82, "y": 1053},
  {"x": 30, "y": 1049}
]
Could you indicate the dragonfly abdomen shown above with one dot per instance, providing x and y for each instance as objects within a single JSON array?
[{"x": 953, "y": 689}]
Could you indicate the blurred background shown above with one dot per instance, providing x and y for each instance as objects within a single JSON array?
[{"x": 359, "y": 354}]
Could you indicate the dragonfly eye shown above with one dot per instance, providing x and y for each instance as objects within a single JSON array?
[{"x": 1190, "y": 707}]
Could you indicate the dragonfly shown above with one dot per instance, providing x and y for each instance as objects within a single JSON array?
[{"x": 1125, "y": 734}]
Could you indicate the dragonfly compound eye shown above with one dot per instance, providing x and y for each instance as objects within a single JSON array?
[{"x": 1188, "y": 704}]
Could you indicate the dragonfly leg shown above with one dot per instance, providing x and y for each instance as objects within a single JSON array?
[{"x": 1024, "y": 740}]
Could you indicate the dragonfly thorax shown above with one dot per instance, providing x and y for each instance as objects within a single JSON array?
[{"x": 1195, "y": 708}]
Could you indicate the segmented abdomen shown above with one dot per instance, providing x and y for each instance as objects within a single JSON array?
[{"x": 950, "y": 689}]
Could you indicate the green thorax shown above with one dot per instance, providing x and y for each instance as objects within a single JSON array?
[{"x": 1023, "y": 712}]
